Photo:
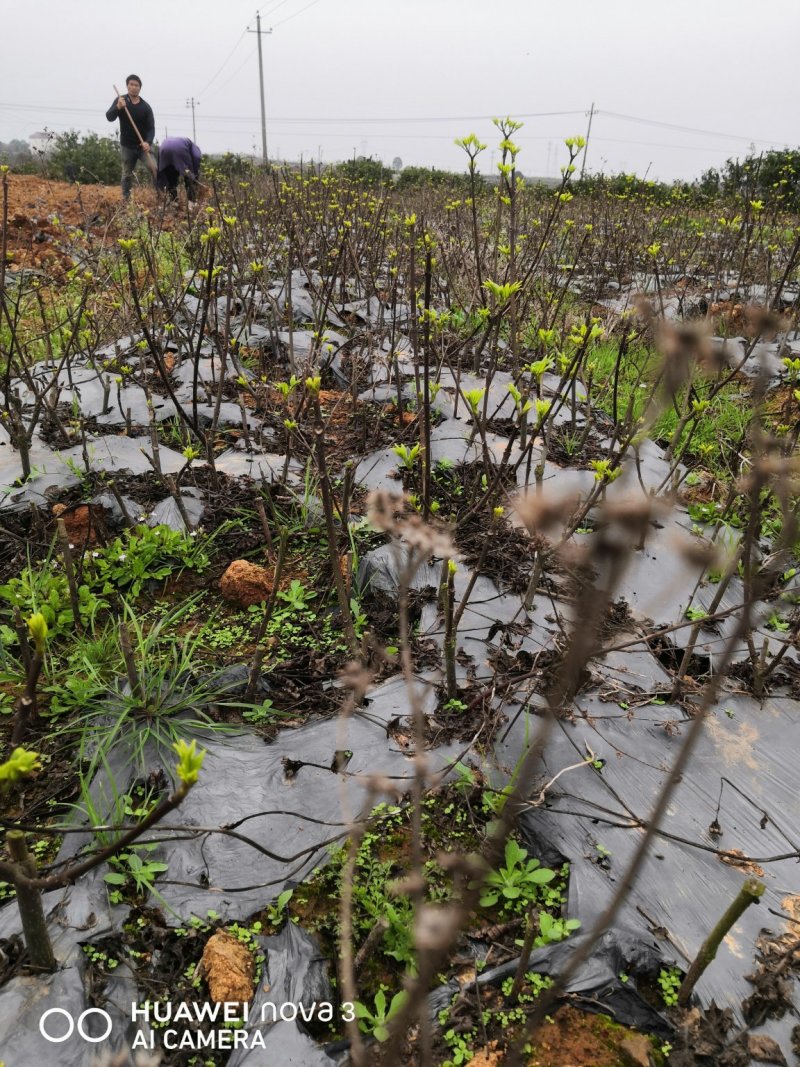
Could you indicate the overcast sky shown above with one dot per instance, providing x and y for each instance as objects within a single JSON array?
[{"x": 405, "y": 78}]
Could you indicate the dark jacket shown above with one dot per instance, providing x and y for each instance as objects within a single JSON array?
[
  {"x": 142, "y": 115},
  {"x": 178, "y": 157}
]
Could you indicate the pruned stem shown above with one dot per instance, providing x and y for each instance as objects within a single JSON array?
[
  {"x": 750, "y": 893},
  {"x": 69, "y": 570},
  {"x": 29, "y": 902},
  {"x": 527, "y": 948}
]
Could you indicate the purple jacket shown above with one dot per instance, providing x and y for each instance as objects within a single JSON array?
[{"x": 181, "y": 154}]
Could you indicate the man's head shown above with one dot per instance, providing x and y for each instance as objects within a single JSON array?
[{"x": 134, "y": 84}]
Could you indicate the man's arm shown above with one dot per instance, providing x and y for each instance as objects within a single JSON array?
[{"x": 113, "y": 112}]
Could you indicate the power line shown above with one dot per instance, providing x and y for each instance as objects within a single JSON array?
[
  {"x": 227, "y": 81},
  {"x": 383, "y": 119},
  {"x": 307, "y": 133},
  {"x": 320, "y": 122},
  {"x": 294, "y": 16},
  {"x": 336, "y": 120},
  {"x": 662, "y": 144},
  {"x": 224, "y": 63},
  {"x": 241, "y": 37},
  {"x": 370, "y": 136},
  {"x": 686, "y": 129},
  {"x": 271, "y": 10},
  {"x": 43, "y": 108}
]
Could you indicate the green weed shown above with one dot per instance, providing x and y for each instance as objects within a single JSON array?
[
  {"x": 517, "y": 882},
  {"x": 669, "y": 980},
  {"x": 375, "y": 1020}
]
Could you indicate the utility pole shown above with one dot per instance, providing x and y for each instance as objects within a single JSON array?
[
  {"x": 192, "y": 103},
  {"x": 588, "y": 134},
  {"x": 261, "y": 32}
]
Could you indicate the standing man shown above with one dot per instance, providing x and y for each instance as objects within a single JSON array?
[
  {"x": 178, "y": 157},
  {"x": 142, "y": 114}
]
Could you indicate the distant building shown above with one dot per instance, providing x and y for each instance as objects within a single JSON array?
[{"x": 40, "y": 142}]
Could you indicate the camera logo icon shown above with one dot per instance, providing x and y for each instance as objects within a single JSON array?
[{"x": 55, "y": 1029}]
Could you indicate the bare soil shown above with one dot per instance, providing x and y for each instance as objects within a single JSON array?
[{"x": 49, "y": 221}]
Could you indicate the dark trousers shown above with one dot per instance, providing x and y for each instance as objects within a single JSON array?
[
  {"x": 168, "y": 178},
  {"x": 130, "y": 157}
]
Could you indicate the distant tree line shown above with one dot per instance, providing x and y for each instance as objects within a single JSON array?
[
  {"x": 89, "y": 159},
  {"x": 17, "y": 154},
  {"x": 371, "y": 171},
  {"x": 770, "y": 176},
  {"x": 628, "y": 186},
  {"x": 71, "y": 156}
]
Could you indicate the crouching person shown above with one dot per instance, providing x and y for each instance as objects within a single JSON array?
[{"x": 178, "y": 157}]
